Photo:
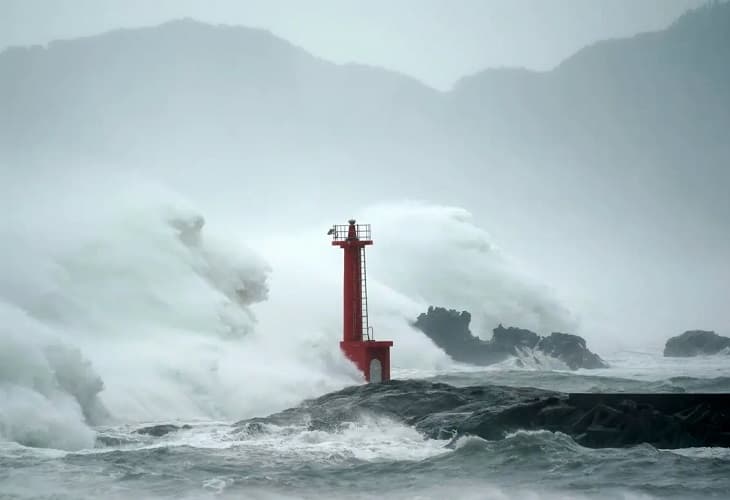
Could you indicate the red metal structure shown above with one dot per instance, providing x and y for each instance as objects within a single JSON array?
[{"x": 371, "y": 356}]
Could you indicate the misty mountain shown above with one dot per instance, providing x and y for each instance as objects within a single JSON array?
[
  {"x": 635, "y": 130},
  {"x": 618, "y": 156},
  {"x": 186, "y": 92},
  {"x": 659, "y": 99},
  {"x": 233, "y": 93}
]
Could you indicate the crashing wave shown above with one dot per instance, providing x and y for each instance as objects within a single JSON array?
[
  {"x": 132, "y": 294},
  {"x": 49, "y": 392},
  {"x": 535, "y": 359}
]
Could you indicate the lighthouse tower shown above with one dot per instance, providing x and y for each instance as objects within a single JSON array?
[{"x": 371, "y": 356}]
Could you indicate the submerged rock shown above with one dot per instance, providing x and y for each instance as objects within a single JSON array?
[
  {"x": 449, "y": 329},
  {"x": 441, "y": 411},
  {"x": 696, "y": 343},
  {"x": 161, "y": 429}
]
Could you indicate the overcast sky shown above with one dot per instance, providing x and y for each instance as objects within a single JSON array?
[{"x": 437, "y": 41}]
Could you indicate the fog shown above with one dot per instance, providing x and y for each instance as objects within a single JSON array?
[{"x": 168, "y": 190}]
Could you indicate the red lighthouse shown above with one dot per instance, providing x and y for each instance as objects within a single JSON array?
[{"x": 371, "y": 356}]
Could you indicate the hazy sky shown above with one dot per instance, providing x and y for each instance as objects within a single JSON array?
[{"x": 437, "y": 41}]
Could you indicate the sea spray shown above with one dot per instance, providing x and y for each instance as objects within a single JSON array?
[
  {"x": 439, "y": 255},
  {"x": 128, "y": 281},
  {"x": 168, "y": 315}
]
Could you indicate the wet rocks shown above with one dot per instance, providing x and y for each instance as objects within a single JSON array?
[
  {"x": 591, "y": 419},
  {"x": 696, "y": 343},
  {"x": 161, "y": 429},
  {"x": 570, "y": 349},
  {"x": 511, "y": 338},
  {"x": 449, "y": 329}
]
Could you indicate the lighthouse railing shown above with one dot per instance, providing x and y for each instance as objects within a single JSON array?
[{"x": 340, "y": 232}]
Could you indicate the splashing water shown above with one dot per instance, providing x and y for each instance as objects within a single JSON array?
[{"x": 120, "y": 302}]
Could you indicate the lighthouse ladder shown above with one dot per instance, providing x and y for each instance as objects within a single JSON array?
[{"x": 366, "y": 328}]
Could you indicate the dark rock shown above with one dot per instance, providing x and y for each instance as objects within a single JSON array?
[
  {"x": 113, "y": 440},
  {"x": 696, "y": 343},
  {"x": 511, "y": 338},
  {"x": 593, "y": 420},
  {"x": 571, "y": 349},
  {"x": 449, "y": 329},
  {"x": 161, "y": 429},
  {"x": 628, "y": 406}
]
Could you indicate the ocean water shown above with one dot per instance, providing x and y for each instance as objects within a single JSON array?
[
  {"x": 376, "y": 457},
  {"x": 368, "y": 457},
  {"x": 130, "y": 308}
]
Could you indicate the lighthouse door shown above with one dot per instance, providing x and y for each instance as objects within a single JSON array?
[{"x": 376, "y": 371}]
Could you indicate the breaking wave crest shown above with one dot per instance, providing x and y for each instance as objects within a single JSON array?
[
  {"x": 49, "y": 391},
  {"x": 128, "y": 280}
]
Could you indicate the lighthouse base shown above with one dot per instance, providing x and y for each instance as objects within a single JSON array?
[{"x": 372, "y": 358}]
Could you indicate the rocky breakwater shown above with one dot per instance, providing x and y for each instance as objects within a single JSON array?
[
  {"x": 442, "y": 411},
  {"x": 449, "y": 329}
]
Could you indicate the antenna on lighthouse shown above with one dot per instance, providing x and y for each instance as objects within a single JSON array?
[{"x": 372, "y": 357}]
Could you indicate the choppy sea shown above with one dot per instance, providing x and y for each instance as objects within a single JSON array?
[{"x": 376, "y": 457}]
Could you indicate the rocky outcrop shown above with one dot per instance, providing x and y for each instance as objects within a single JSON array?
[
  {"x": 449, "y": 329},
  {"x": 696, "y": 343},
  {"x": 570, "y": 349},
  {"x": 594, "y": 420},
  {"x": 509, "y": 339}
]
